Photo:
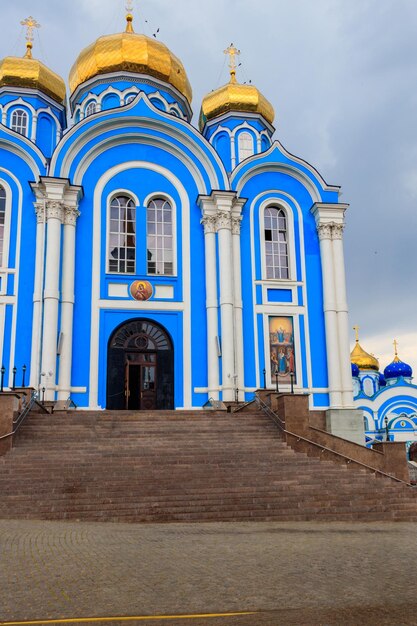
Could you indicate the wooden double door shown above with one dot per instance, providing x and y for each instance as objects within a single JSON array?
[{"x": 141, "y": 381}]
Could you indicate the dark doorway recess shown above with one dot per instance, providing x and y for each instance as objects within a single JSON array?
[{"x": 140, "y": 367}]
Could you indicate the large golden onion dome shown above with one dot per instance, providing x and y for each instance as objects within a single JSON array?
[
  {"x": 235, "y": 97},
  {"x": 28, "y": 72},
  {"x": 130, "y": 52},
  {"x": 362, "y": 359}
]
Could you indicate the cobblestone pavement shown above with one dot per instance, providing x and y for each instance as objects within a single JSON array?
[{"x": 293, "y": 573}]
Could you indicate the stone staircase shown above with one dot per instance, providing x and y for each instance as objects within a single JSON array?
[{"x": 183, "y": 466}]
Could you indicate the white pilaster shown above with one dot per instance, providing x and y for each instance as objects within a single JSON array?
[
  {"x": 54, "y": 216},
  {"x": 67, "y": 307},
  {"x": 224, "y": 202},
  {"x": 330, "y": 315},
  {"x": 35, "y": 365},
  {"x": 238, "y": 302},
  {"x": 342, "y": 315},
  {"x": 212, "y": 305}
]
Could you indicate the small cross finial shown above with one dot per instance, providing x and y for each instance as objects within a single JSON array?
[
  {"x": 233, "y": 53},
  {"x": 30, "y": 24},
  {"x": 356, "y": 329},
  {"x": 129, "y": 16},
  {"x": 396, "y": 347}
]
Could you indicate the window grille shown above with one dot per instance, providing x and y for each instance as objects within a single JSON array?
[
  {"x": 276, "y": 244},
  {"x": 160, "y": 239},
  {"x": 20, "y": 122},
  {"x": 122, "y": 236}
]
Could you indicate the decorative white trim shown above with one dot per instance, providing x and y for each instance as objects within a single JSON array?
[
  {"x": 285, "y": 167},
  {"x": 304, "y": 308},
  {"x": 292, "y": 259},
  {"x": 97, "y": 304},
  {"x": 166, "y": 196}
]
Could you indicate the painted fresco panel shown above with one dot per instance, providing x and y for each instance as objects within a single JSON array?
[{"x": 281, "y": 347}]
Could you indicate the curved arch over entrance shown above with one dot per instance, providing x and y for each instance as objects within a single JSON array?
[{"x": 140, "y": 367}]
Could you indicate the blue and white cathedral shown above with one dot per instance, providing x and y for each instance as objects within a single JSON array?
[{"x": 150, "y": 264}]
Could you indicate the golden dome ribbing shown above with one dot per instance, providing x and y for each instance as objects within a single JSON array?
[
  {"x": 130, "y": 52},
  {"x": 235, "y": 97},
  {"x": 31, "y": 73},
  {"x": 362, "y": 359}
]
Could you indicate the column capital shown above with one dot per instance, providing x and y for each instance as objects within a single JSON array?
[
  {"x": 55, "y": 210},
  {"x": 324, "y": 231},
  {"x": 236, "y": 224},
  {"x": 209, "y": 222},
  {"x": 71, "y": 214},
  {"x": 40, "y": 212},
  {"x": 223, "y": 220},
  {"x": 337, "y": 231}
]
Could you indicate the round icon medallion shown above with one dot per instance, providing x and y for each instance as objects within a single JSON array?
[{"x": 141, "y": 290}]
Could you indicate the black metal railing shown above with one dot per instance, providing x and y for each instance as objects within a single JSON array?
[{"x": 26, "y": 408}]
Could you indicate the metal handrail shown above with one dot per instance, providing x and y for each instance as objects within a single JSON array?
[
  {"x": 27, "y": 407},
  {"x": 281, "y": 424}
]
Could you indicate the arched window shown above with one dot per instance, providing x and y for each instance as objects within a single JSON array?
[
  {"x": 91, "y": 108},
  {"x": 245, "y": 143},
  {"x": 130, "y": 98},
  {"x": 20, "y": 122},
  {"x": 276, "y": 243},
  {"x": 160, "y": 239},
  {"x": 122, "y": 236},
  {"x": 2, "y": 222}
]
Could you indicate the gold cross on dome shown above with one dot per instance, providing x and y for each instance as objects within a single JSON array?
[
  {"x": 30, "y": 24},
  {"x": 356, "y": 329},
  {"x": 233, "y": 54},
  {"x": 396, "y": 347}
]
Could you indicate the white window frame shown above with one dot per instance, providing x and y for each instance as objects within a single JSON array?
[
  {"x": 244, "y": 150},
  {"x": 166, "y": 197},
  {"x": 280, "y": 204},
  {"x": 113, "y": 196},
  {"x": 90, "y": 105},
  {"x": 19, "y": 127}
]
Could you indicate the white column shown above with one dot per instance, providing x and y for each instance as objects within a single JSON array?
[
  {"x": 238, "y": 307},
  {"x": 212, "y": 305},
  {"x": 342, "y": 315},
  {"x": 54, "y": 215},
  {"x": 330, "y": 314},
  {"x": 224, "y": 232},
  {"x": 67, "y": 308},
  {"x": 37, "y": 296}
]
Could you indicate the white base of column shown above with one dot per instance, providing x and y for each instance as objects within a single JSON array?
[{"x": 347, "y": 424}]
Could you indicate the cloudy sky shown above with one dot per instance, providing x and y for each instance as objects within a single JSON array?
[{"x": 342, "y": 76}]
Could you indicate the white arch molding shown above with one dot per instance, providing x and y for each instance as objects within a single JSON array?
[{"x": 97, "y": 304}]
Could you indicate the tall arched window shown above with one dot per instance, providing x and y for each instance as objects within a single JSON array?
[
  {"x": 276, "y": 243},
  {"x": 19, "y": 122},
  {"x": 245, "y": 143},
  {"x": 122, "y": 236},
  {"x": 2, "y": 222},
  {"x": 90, "y": 109},
  {"x": 160, "y": 239}
]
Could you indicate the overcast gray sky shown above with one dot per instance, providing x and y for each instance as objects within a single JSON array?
[{"x": 342, "y": 76}]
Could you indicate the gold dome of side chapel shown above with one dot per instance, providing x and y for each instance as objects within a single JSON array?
[
  {"x": 31, "y": 73},
  {"x": 362, "y": 359},
  {"x": 235, "y": 97},
  {"x": 130, "y": 52}
]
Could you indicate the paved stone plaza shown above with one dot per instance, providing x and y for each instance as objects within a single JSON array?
[{"x": 293, "y": 573}]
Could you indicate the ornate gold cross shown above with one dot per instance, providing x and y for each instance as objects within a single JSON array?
[
  {"x": 233, "y": 54},
  {"x": 356, "y": 329},
  {"x": 396, "y": 347},
  {"x": 30, "y": 24}
]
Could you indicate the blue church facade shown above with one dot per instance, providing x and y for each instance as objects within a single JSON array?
[{"x": 150, "y": 264}]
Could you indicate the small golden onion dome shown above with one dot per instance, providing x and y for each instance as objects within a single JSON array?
[
  {"x": 130, "y": 52},
  {"x": 28, "y": 72},
  {"x": 362, "y": 359},
  {"x": 235, "y": 97}
]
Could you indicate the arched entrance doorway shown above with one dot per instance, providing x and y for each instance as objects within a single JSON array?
[{"x": 140, "y": 367}]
